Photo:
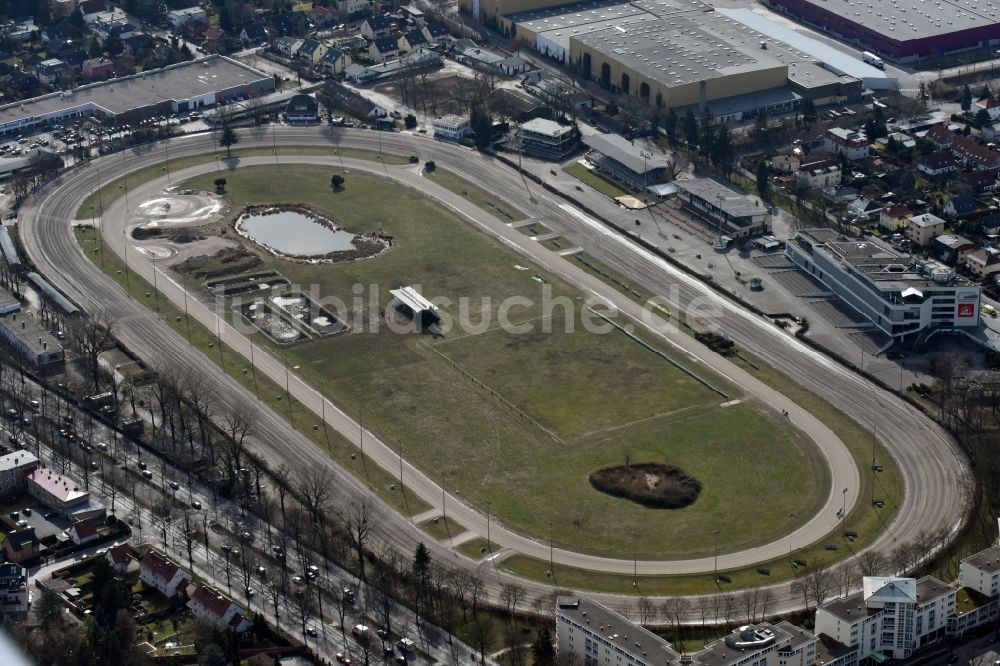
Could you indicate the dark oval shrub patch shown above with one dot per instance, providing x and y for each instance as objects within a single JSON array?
[{"x": 656, "y": 485}]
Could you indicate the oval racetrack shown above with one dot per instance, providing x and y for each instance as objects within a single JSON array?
[{"x": 933, "y": 469}]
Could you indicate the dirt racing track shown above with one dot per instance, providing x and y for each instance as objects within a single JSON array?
[{"x": 932, "y": 468}]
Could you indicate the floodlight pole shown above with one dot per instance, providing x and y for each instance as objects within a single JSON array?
[
  {"x": 716, "y": 568},
  {"x": 844, "y": 515},
  {"x": 635, "y": 559}
]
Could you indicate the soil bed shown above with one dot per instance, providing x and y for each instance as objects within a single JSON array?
[{"x": 656, "y": 485}]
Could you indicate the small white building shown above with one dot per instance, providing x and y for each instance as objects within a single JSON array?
[
  {"x": 162, "y": 573},
  {"x": 181, "y": 17},
  {"x": 451, "y": 128},
  {"x": 212, "y": 606},
  {"x": 14, "y": 470},
  {"x": 850, "y": 143}
]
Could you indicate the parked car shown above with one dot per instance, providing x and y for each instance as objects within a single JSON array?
[
  {"x": 146, "y": 474},
  {"x": 196, "y": 505}
]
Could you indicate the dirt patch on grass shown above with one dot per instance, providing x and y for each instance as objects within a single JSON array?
[
  {"x": 228, "y": 261},
  {"x": 656, "y": 485}
]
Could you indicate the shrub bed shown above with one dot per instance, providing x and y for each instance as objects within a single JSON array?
[{"x": 656, "y": 485}]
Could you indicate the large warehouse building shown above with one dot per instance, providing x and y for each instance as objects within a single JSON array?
[
  {"x": 681, "y": 53},
  {"x": 176, "y": 89},
  {"x": 903, "y": 30}
]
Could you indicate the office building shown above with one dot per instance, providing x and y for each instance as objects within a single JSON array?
[
  {"x": 899, "y": 294},
  {"x": 725, "y": 211},
  {"x": 36, "y": 346},
  {"x": 547, "y": 139}
]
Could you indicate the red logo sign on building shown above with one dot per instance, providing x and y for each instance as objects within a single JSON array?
[{"x": 966, "y": 309}]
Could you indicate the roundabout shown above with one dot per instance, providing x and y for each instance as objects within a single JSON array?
[{"x": 50, "y": 244}]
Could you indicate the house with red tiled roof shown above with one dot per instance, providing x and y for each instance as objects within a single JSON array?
[
  {"x": 988, "y": 104},
  {"x": 82, "y": 532},
  {"x": 894, "y": 217},
  {"x": 938, "y": 163},
  {"x": 120, "y": 558},
  {"x": 159, "y": 571},
  {"x": 940, "y": 136},
  {"x": 980, "y": 182},
  {"x": 974, "y": 154},
  {"x": 207, "y": 603}
]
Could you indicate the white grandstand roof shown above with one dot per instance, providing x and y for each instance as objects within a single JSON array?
[{"x": 409, "y": 297}]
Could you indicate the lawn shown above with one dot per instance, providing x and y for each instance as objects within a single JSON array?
[
  {"x": 267, "y": 391},
  {"x": 595, "y": 180},
  {"x": 92, "y": 205},
  {"x": 521, "y": 419},
  {"x": 491, "y": 203},
  {"x": 476, "y": 549},
  {"x": 442, "y": 528}
]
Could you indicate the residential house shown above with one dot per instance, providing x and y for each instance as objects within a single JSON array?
[
  {"x": 940, "y": 135},
  {"x": 82, "y": 532},
  {"x": 162, "y": 573},
  {"x": 979, "y": 182},
  {"x": 120, "y": 558},
  {"x": 68, "y": 52},
  {"x": 312, "y": 51},
  {"x": 351, "y": 9},
  {"x": 98, "y": 69},
  {"x": 382, "y": 49},
  {"x": 335, "y": 61},
  {"x": 960, "y": 206},
  {"x": 13, "y": 588},
  {"x": 435, "y": 31},
  {"x": 982, "y": 263},
  {"x": 48, "y": 71},
  {"x": 285, "y": 25},
  {"x": 975, "y": 155},
  {"x": 181, "y": 17},
  {"x": 923, "y": 229},
  {"x": 374, "y": 27},
  {"x": 411, "y": 40},
  {"x": 254, "y": 33},
  {"x": 60, "y": 32},
  {"x": 413, "y": 16},
  {"x": 22, "y": 545},
  {"x": 138, "y": 45},
  {"x": 90, "y": 10},
  {"x": 105, "y": 23},
  {"x": 451, "y": 128},
  {"x": 210, "y": 605},
  {"x": 212, "y": 39},
  {"x": 14, "y": 470},
  {"x": 819, "y": 175},
  {"x": 302, "y": 109},
  {"x": 323, "y": 17},
  {"x": 851, "y": 143},
  {"x": 864, "y": 208},
  {"x": 894, "y": 217},
  {"x": 989, "y": 105},
  {"x": 951, "y": 249},
  {"x": 287, "y": 46},
  {"x": 978, "y": 595},
  {"x": 359, "y": 74},
  {"x": 785, "y": 163},
  {"x": 511, "y": 66},
  {"x": 938, "y": 163}
]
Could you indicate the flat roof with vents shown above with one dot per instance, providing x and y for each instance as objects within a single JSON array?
[
  {"x": 687, "y": 47},
  {"x": 985, "y": 560},
  {"x": 901, "y": 21}
]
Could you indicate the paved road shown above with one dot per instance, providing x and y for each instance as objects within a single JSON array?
[
  {"x": 927, "y": 457},
  {"x": 207, "y": 558}
]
